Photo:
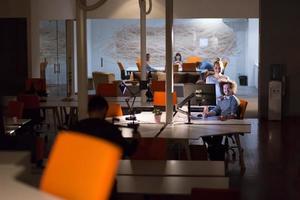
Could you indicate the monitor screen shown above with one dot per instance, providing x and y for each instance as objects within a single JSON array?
[
  {"x": 201, "y": 95},
  {"x": 205, "y": 95}
]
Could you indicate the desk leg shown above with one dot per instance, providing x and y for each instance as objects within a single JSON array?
[{"x": 241, "y": 153}]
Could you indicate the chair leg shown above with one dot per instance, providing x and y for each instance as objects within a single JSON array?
[{"x": 241, "y": 153}]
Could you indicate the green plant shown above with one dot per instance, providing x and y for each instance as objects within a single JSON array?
[{"x": 157, "y": 111}]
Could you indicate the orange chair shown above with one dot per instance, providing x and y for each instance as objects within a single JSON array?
[
  {"x": 15, "y": 109},
  {"x": 159, "y": 98},
  {"x": 189, "y": 67},
  {"x": 242, "y": 108},
  {"x": 193, "y": 59},
  {"x": 215, "y": 194},
  {"x": 151, "y": 149},
  {"x": 158, "y": 85},
  {"x": 114, "y": 110},
  {"x": 107, "y": 89},
  {"x": 81, "y": 167},
  {"x": 31, "y": 108},
  {"x": 36, "y": 84}
]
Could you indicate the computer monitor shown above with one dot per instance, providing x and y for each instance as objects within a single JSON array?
[
  {"x": 205, "y": 95},
  {"x": 200, "y": 95}
]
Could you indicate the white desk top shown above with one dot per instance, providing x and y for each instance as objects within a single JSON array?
[
  {"x": 13, "y": 189},
  {"x": 171, "y": 168},
  {"x": 21, "y": 158},
  {"x": 179, "y": 185}
]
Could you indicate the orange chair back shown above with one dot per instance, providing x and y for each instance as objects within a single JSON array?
[
  {"x": 15, "y": 109},
  {"x": 114, "y": 110},
  {"x": 242, "y": 108},
  {"x": 159, "y": 98},
  {"x": 151, "y": 149},
  {"x": 107, "y": 89},
  {"x": 30, "y": 101},
  {"x": 38, "y": 84},
  {"x": 81, "y": 167},
  {"x": 121, "y": 67},
  {"x": 193, "y": 59},
  {"x": 189, "y": 67},
  {"x": 158, "y": 86}
]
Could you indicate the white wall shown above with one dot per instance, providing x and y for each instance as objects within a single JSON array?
[{"x": 252, "y": 52}]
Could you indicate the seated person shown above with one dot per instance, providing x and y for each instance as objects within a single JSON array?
[
  {"x": 227, "y": 104},
  {"x": 96, "y": 125},
  {"x": 206, "y": 66},
  {"x": 148, "y": 66},
  {"x": 227, "y": 108},
  {"x": 178, "y": 61}
]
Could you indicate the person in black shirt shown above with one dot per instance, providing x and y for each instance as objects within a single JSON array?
[{"x": 97, "y": 126}]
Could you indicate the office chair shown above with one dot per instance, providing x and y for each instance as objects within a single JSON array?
[
  {"x": 215, "y": 194},
  {"x": 159, "y": 98},
  {"x": 31, "y": 108},
  {"x": 107, "y": 89},
  {"x": 15, "y": 109},
  {"x": 151, "y": 149},
  {"x": 158, "y": 85},
  {"x": 81, "y": 167},
  {"x": 114, "y": 110},
  {"x": 36, "y": 85},
  {"x": 189, "y": 67},
  {"x": 122, "y": 71},
  {"x": 241, "y": 113}
]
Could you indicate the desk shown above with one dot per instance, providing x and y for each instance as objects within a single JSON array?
[
  {"x": 167, "y": 185},
  {"x": 200, "y": 127},
  {"x": 171, "y": 168},
  {"x": 12, "y": 189}
]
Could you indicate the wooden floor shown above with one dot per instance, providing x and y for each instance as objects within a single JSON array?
[{"x": 272, "y": 156}]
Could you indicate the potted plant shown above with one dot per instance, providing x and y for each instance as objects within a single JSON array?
[{"x": 157, "y": 114}]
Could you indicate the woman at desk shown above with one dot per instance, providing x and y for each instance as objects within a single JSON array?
[
  {"x": 227, "y": 108},
  {"x": 178, "y": 61}
]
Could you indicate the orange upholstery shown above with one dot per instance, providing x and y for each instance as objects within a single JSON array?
[
  {"x": 107, "y": 89},
  {"x": 15, "y": 109},
  {"x": 242, "y": 108},
  {"x": 151, "y": 149},
  {"x": 193, "y": 59},
  {"x": 114, "y": 110},
  {"x": 38, "y": 84},
  {"x": 158, "y": 86},
  {"x": 215, "y": 194},
  {"x": 159, "y": 98},
  {"x": 189, "y": 67},
  {"x": 81, "y": 167}
]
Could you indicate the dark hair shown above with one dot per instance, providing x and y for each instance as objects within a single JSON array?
[
  {"x": 177, "y": 54},
  {"x": 97, "y": 103}
]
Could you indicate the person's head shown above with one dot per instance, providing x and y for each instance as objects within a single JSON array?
[
  {"x": 218, "y": 67},
  {"x": 229, "y": 88},
  {"x": 97, "y": 107},
  {"x": 147, "y": 56},
  {"x": 178, "y": 57}
]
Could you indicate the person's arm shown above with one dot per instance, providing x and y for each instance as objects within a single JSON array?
[
  {"x": 213, "y": 112},
  {"x": 233, "y": 107}
]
